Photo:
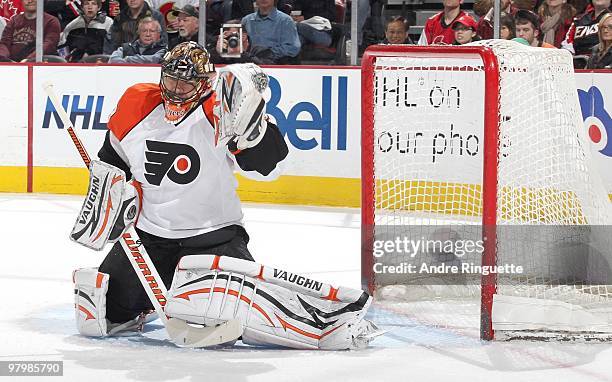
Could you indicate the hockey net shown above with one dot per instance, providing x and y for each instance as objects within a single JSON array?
[{"x": 474, "y": 157}]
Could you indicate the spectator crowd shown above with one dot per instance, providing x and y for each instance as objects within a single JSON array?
[
  {"x": 577, "y": 26},
  {"x": 287, "y": 31}
]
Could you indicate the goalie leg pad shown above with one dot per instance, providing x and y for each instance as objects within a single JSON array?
[
  {"x": 204, "y": 291},
  {"x": 90, "y": 287},
  {"x": 111, "y": 206}
]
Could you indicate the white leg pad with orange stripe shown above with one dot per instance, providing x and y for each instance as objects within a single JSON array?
[
  {"x": 90, "y": 288},
  {"x": 275, "y": 307}
]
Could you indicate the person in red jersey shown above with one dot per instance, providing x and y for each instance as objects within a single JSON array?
[
  {"x": 438, "y": 30},
  {"x": 465, "y": 30}
]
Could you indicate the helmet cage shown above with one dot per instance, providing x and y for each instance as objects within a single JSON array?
[
  {"x": 190, "y": 63},
  {"x": 171, "y": 93}
]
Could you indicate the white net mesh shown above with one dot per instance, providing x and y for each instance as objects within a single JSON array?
[{"x": 552, "y": 209}]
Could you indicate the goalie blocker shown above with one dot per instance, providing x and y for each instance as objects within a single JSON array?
[
  {"x": 275, "y": 307},
  {"x": 111, "y": 206}
]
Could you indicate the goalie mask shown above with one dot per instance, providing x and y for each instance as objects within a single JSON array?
[{"x": 186, "y": 78}]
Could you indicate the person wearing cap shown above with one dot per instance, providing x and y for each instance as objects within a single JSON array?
[
  {"x": 465, "y": 30},
  {"x": 125, "y": 25},
  {"x": 168, "y": 9},
  {"x": 437, "y": 30},
  {"x": 527, "y": 26},
  {"x": 188, "y": 25}
]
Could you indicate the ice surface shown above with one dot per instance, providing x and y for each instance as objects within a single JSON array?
[{"x": 37, "y": 320}]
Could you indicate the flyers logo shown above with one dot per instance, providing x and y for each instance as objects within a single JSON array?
[{"x": 181, "y": 163}]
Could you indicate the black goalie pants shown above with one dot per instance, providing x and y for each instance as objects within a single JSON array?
[{"x": 126, "y": 298}]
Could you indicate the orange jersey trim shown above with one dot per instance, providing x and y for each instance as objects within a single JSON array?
[
  {"x": 135, "y": 104},
  {"x": 208, "y": 106}
]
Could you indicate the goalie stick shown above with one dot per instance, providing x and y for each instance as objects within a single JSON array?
[{"x": 180, "y": 332}]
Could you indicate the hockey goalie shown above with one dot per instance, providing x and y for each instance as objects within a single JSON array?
[{"x": 166, "y": 168}]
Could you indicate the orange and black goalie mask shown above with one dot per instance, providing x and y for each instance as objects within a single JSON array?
[{"x": 186, "y": 78}]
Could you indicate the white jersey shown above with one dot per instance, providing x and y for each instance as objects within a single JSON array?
[{"x": 188, "y": 186}]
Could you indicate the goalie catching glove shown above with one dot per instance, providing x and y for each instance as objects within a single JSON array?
[
  {"x": 239, "y": 112},
  {"x": 111, "y": 206},
  {"x": 275, "y": 307}
]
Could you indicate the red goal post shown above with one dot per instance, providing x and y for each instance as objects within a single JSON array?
[{"x": 491, "y": 118}]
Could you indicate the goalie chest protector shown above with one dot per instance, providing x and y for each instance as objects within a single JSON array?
[{"x": 188, "y": 183}]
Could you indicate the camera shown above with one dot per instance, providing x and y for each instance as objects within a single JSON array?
[
  {"x": 233, "y": 40},
  {"x": 231, "y": 34}
]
